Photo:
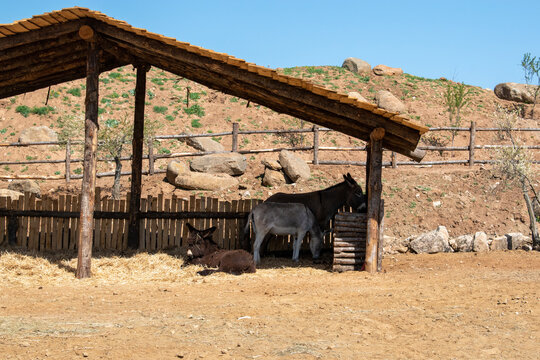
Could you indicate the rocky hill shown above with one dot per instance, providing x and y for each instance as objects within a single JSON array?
[{"x": 417, "y": 198}]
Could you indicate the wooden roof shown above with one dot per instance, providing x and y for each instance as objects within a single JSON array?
[{"x": 47, "y": 49}]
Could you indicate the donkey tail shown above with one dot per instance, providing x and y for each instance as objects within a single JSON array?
[{"x": 245, "y": 238}]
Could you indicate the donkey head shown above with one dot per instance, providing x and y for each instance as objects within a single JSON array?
[
  {"x": 356, "y": 198},
  {"x": 200, "y": 242}
]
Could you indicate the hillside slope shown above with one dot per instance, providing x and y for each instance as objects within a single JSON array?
[{"x": 471, "y": 199}]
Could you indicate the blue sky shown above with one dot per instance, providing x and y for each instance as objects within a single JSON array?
[{"x": 479, "y": 42}]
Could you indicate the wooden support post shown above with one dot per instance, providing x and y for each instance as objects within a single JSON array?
[
  {"x": 187, "y": 96},
  {"x": 150, "y": 156},
  {"x": 90, "y": 148},
  {"x": 374, "y": 186},
  {"x": 471, "y": 143},
  {"x": 235, "y": 128},
  {"x": 315, "y": 145},
  {"x": 393, "y": 160},
  {"x": 68, "y": 160},
  {"x": 368, "y": 161},
  {"x": 136, "y": 162}
]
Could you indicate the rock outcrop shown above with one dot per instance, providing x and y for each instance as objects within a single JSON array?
[
  {"x": 232, "y": 164},
  {"x": 293, "y": 166},
  {"x": 38, "y": 134},
  {"x": 23, "y": 186},
  {"x": 381, "y": 70},
  {"x": 387, "y": 101},
  {"x": 515, "y": 92},
  {"x": 356, "y": 65}
]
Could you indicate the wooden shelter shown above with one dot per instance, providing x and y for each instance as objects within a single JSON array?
[{"x": 74, "y": 43}]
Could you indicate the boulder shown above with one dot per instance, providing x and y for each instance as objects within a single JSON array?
[
  {"x": 515, "y": 92},
  {"x": 25, "y": 186},
  {"x": 463, "y": 243},
  {"x": 14, "y": 195},
  {"x": 38, "y": 134},
  {"x": 271, "y": 164},
  {"x": 174, "y": 168},
  {"x": 202, "y": 181},
  {"x": 273, "y": 178},
  {"x": 480, "y": 242},
  {"x": 432, "y": 242},
  {"x": 293, "y": 166},
  {"x": 358, "y": 96},
  {"x": 387, "y": 101},
  {"x": 231, "y": 164},
  {"x": 203, "y": 143},
  {"x": 393, "y": 245},
  {"x": 518, "y": 241},
  {"x": 381, "y": 70},
  {"x": 499, "y": 243},
  {"x": 356, "y": 65}
]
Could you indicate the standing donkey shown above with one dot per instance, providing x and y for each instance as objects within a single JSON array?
[{"x": 284, "y": 219}]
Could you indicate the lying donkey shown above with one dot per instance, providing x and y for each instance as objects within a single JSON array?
[
  {"x": 284, "y": 219},
  {"x": 203, "y": 250}
]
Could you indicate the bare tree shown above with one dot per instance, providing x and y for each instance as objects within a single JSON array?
[{"x": 514, "y": 165}]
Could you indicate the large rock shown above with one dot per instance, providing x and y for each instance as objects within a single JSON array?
[
  {"x": 273, "y": 178},
  {"x": 293, "y": 166},
  {"x": 203, "y": 143},
  {"x": 480, "y": 242},
  {"x": 500, "y": 243},
  {"x": 515, "y": 92},
  {"x": 386, "y": 70},
  {"x": 393, "y": 245},
  {"x": 38, "y": 134},
  {"x": 356, "y": 65},
  {"x": 25, "y": 186},
  {"x": 387, "y": 101},
  {"x": 271, "y": 164},
  {"x": 358, "y": 96},
  {"x": 201, "y": 181},
  {"x": 14, "y": 195},
  {"x": 463, "y": 243},
  {"x": 174, "y": 168},
  {"x": 231, "y": 164},
  {"x": 518, "y": 241},
  {"x": 432, "y": 242}
]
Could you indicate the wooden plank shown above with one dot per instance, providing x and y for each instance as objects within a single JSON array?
[
  {"x": 234, "y": 225},
  {"x": 75, "y": 244},
  {"x": 74, "y": 223},
  {"x": 37, "y": 227},
  {"x": 172, "y": 223},
  {"x": 109, "y": 226},
  {"x": 115, "y": 227},
  {"x": 67, "y": 223},
  {"x": 228, "y": 225},
  {"x": 178, "y": 224},
  {"x": 220, "y": 232},
  {"x": 32, "y": 224},
  {"x": 153, "y": 225},
  {"x": 124, "y": 236},
  {"x": 44, "y": 227},
  {"x": 199, "y": 223},
  {"x": 360, "y": 228},
  {"x": 54, "y": 229},
  {"x": 349, "y": 255},
  {"x": 61, "y": 222},
  {"x": 148, "y": 225},
  {"x": 159, "y": 223},
  {"x": 347, "y": 244},
  {"x": 167, "y": 225},
  {"x": 142, "y": 226},
  {"x": 381, "y": 236},
  {"x": 343, "y": 268},
  {"x": 3, "y": 227},
  {"x": 353, "y": 261},
  {"x": 185, "y": 231}
]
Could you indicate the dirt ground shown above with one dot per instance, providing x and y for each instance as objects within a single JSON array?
[{"x": 149, "y": 306}]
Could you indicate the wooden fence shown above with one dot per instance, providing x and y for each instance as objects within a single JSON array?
[
  {"x": 393, "y": 162},
  {"x": 46, "y": 224}
]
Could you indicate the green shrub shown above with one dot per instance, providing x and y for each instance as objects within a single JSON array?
[
  {"x": 169, "y": 118},
  {"x": 23, "y": 110},
  {"x": 160, "y": 109},
  {"x": 196, "y": 123},
  {"x": 195, "y": 110},
  {"x": 76, "y": 91}
]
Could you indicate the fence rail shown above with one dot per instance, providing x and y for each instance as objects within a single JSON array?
[
  {"x": 53, "y": 224},
  {"x": 236, "y": 133}
]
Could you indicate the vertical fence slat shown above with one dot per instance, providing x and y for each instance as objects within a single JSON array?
[
  {"x": 235, "y": 128},
  {"x": 61, "y": 222},
  {"x": 178, "y": 232},
  {"x": 166, "y": 224},
  {"x": 159, "y": 222},
  {"x": 99, "y": 233},
  {"x": 228, "y": 225},
  {"x": 186, "y": 206},
  {"x": 32, "y": 224},
  {"x": 315, "y": 145},
  {"x": 3, "y": 227},
  {"x": 75, "y": 228},
  {"x": 109, "y": 225},
  {"x": 148, "y": 225},
  {"x": 54, "y": 227},
  {"x": 115, "y": 227},
  {"x": 153, "y": 225},
  {"x": 142, "y": 226},
  {"x": 124, "y": 233},
  {"x": 172, "y": 222},
  {"x": 235, "y": 205}
]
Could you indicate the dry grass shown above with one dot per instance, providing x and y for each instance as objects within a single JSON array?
[{"x": 38, "y": 269}]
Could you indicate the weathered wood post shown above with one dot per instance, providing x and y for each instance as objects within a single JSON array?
[
  {"x": 150, "y": 156},
  {"x": 234, "y": 147},
  {"x": 315, "y": 145},
  {"x": 136, "y": 160},
  {"x": 68, "y": 160},
  {"x": 374, "y": 190},
  {"x": 472, "y": 143},
  {"x": 91, "y": 127}
]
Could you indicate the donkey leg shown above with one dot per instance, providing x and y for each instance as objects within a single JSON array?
[
  {"x": 259, "y": 237},
  {"x": 297, "y": 245}
]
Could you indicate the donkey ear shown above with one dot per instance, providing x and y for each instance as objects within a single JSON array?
[
  {"x": 208, "y": 232},
  {"x": 190, "y": 227}
]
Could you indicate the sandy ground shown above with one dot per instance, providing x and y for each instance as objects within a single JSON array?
[{"x": 450, "y": 306}]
